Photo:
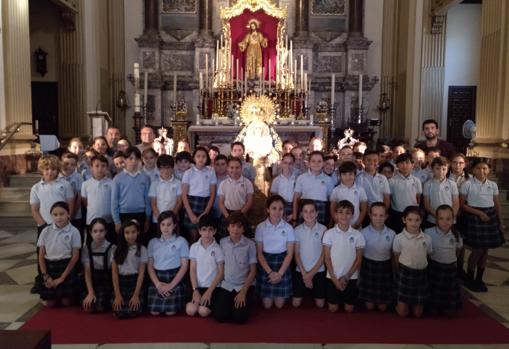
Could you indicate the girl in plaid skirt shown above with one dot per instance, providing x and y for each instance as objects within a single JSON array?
[
  {"x": 167, "y": 265},
  {"x": 443, "y": 281},
  {"x": 59, "y": 248},
  {"x": 275, "y": 241},
  {"x": 484, "y": 226},
  {"x": 198, "y": 192},
  {"x": 96, "y": 260},
  {"x": 128, "y": 270},
  {"x": 411, "y": 248}
]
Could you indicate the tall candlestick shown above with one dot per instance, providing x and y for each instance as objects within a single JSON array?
[
  {"x": 175, "y": 90},
  {"x": 137, "y": 108},
  {"x": 332, "y": 89},
  {"x": 145, "y": 89},
  {"x": 136, "y": 72},
  {"x": 232, "y": 67},
  {"x": 295, "y": 75},
  {"x": 301, "y": 71},
  {"x": 201, "y": 81},
  {"x": 290, "y": 56},
  {"x": 217, "y": 53},
  {"x": 210, "y": 82},
  {"x": 206, "y": 69},
  {"x": 360, "y": 92}
]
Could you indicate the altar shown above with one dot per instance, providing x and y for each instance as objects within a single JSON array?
[{"x": 223, "y": 135}]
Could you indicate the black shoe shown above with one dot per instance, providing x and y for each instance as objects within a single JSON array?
[
  {"x": 472, "y": 285},
  {"x": 35, "y": 289},
  {"x": 481, "y": 286}
]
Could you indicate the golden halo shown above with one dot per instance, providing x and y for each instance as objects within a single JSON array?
[
  {"x": 255, "y": 21},
  {"x": 258, "y": 108}
]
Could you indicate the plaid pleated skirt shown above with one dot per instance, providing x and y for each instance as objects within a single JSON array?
[
  {"x": 198, "y": 205},
  {"x": 171, "y": 304},
  {"x": 412, "y": 286},
  {"x": 444, "y": 287},
  {"x": 127, "y": 285},
  {"x": 67, "y": 289},
  {"x": 103, "y": 288},
  {"x": 282, "y": 289},
  {"x": 376, "y": 281},
  {"x": 481, "y": 234}
]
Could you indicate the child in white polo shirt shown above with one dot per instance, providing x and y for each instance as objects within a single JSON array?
[
  {"x": 348, "y": 190},
  {"x": 315, "y": 185},
  {"x": 375, "y": 184},
  {"x": 59, "y": 252},
  {"x": 206, "y": 269},
  {"x": 310, "y": 271},
  {"x": 411, "y": 249},
  {"x": 236, "y": 191},
  {"x": 284, "y": 184},
  {"x": 165, "y": 191},
  {"x": 69, "y": 172},
  {"x": 406, "y": 191},
  {"x": 198, "y": 192},
  {"x": 342, "y": 246},
  {"x": 275, "y": 242},
  {"x": 439, "y": 190}
]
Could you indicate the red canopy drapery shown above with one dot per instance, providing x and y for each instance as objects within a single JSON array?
[{"x": 268, "y": 28}]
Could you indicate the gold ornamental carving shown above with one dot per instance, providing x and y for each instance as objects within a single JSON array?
[
  {"x": 253, "y": 5},
  {"x": 258, "y": 109}
]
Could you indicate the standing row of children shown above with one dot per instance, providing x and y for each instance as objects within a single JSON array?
[{"x": 131, "y": 203}]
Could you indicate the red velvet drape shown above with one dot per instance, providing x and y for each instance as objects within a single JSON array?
[{"x": 268, "y": 28}]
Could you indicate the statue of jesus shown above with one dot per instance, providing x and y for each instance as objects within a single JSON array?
[{"x": 252, "y": 44}]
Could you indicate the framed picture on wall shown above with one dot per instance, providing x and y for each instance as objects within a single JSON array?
[
  {"x": 179, "y": 6},
  {"x": 328, "y": 7}
]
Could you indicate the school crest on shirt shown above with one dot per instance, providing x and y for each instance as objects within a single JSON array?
[
  {"x": 351, "y": 239},
  {"x": 355, "y": 192},
  {"x": 67, "y": 237},
  {"x": 213, "y": 253},
  {"x": 317, "y": 235},
  {"x": 242, "y": 185},
  {"x": 323, "y": 182},
  {"x": 106, "y": 186},
  {"x": 424, "y": 244},
  {"x": 206, "y": 176},
  {"x": 446, "y": 188},
  {"x": 387, "y": 238},
  {"x": 451, "y": 241},
  {"x": 61, "y": 188},
  {"x": 283, "y": 232},
  {"x": 173, "y": 247}
]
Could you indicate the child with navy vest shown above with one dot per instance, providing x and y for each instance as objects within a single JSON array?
[{"x": 129, "y": 196}]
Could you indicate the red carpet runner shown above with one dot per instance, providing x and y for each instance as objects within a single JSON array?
[{"x": 306, "y": 325}]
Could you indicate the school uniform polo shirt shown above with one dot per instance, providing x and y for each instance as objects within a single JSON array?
[
  {"x": 59, "y": 242},
  {"x": 97, "y": 260},
  {"x": 309, "y": 244},
  {"x": 314, "y": 187},
  {"x": 378, "y": 243},
  {"x": 76, "y": 181},
  {"x": 376, "y": 187},
  {"x": 207, "y": 261},
  {"x": 355, "y": 194},
  {"x": 343, "y": 249},
  {"x": 459, "y": 180},
  {"x": 284, "y": 186},
  {"x": 133, "y": 260},
  {"x": 248, "y": 171},
  {"x": 439, "y": 193},
  {"x": 424, "y": 174},
  {"x": 274, "y": 237},
  {"x": 404, "y": 191},
  {"x": 199, "y": 181},
  {"x": 479, "y": 194},
  {"x": 413, "y": 249},
  {"x": 153, "y": 174},
  {"x": 166, "y": 193},
  {"x": 235, "y": 192},
  {"x": 45, "y": 194},
  {"x": 167, "y": 254},
  {"x": 445, "y": 245},
  {"x": 98, "y": 195},
  {"x": 238, "y": 258}
]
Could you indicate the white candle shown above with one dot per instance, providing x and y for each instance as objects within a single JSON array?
[
  {"x": 360, "y": 92},
  {"x": 136, "y": 72},
  {"x": 237, "y": 74},
  {"x": 232, "y": 67},
  {"x": 270, "y": 71},
  {"x": 211, "y": 81},
  {"x": 145, "y": 89},
  {"x": 332, "y": 89},
  {"x": 197, "y": 119},
  {"x": 206, "y": 67},
  {"x": 301, "y": 71},
  {"x": 290, "y": 56},
  {"x": 311, "y": 119},
  {"x": 217, "y": 54},
  {"x": 175, "y": 90},
  {"x": 201, "y": 81},
  {"x": 295, "y": 75},
  {"x": 137, "y": 108},
  {"x": 305, "y": 82}
]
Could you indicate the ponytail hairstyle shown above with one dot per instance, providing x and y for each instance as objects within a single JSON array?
[{"x": 122, "y": 246}]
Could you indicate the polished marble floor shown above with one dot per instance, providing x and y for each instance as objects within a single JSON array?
[{"x": 17, "y": 305}]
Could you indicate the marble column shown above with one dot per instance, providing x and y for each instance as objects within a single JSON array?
[
  {"x": 151, "y": 16},
  {"x": 17, "y": 69},
  {"x": 302, "y": 17},
  {"x": 205, "y": 12},
  {"x": 3, "y": 117},
  {"x": 355, "y": 17},
  {"x": 492, "y": 114}
]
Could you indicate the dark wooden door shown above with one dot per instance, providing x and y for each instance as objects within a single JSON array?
[
  {"x": 460, "y": 108},
  {"x": 45, "y": 106}
]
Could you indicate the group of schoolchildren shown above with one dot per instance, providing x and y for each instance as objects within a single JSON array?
[{"x": 172, "y": 234}]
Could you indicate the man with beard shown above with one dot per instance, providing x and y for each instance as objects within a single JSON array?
[
  {"x": 112, "y": 137},
  {"x": 431, "y": 131}
]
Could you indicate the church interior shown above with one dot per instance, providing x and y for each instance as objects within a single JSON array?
[{"x": 207, "y": 73}]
